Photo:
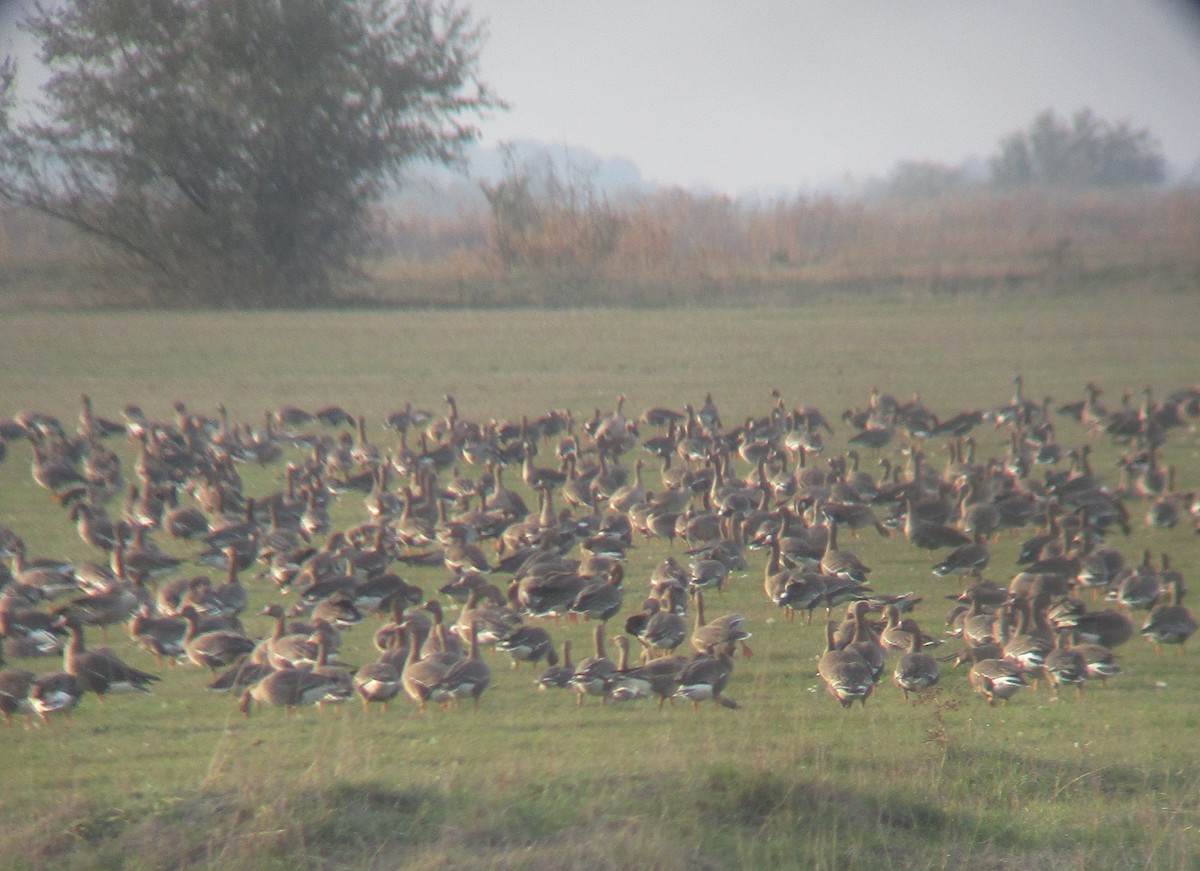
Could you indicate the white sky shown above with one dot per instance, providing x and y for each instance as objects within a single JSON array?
[{"x": 756, "y": 95}]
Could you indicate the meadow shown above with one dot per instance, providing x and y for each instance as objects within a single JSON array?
[{"x": 180, "y": 779}]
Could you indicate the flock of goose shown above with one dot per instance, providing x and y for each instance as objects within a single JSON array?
[{"x": 514, "y": 570}]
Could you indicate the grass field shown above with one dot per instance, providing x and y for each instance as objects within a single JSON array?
[{"x": 181, "y": 779}]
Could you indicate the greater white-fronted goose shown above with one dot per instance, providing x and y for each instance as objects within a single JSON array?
[
  {"x": 14, "y": 692},
  {"x": 1065, "y": 666},
  {"x": 467, "y": 678},
  {"x": 161, "y": 636},
  {"x": 212, "y": 650},
  {"x": 558, "y": 673},
  {"x": 601, "y": 600},
  {"x": 1170, "y": 622},
  {"x": 705, "y": 678},
  {"x": 996, "y": 679},
  {"x": 99, "y": 670},
  {"x": 591, "y": 674},
  {"x": 527, "y": 644},
  {"x": 847, "y": 677},
  {"x": 422, "y": 673},
  {"x": 842, "y": 563},
  {"x": 724, "y": 633},
  {"x": 916, "y": 671},
  {"x": 291, "y": 688},
  {"x": 56, "y": 693},
  {"x": 379, "y": 682},
  {"x": 966, "y": 559}
]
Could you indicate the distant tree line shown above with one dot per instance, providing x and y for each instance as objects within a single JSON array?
[{"x": 1085, "y": 152}]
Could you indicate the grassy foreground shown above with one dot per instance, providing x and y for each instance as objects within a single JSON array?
[{"x": 180, "y": 779}]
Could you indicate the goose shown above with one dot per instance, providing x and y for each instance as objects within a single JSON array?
[
  {"x": 528, "y": 644},
  {"x": 722, "y": 634},
  {"x": 1065, "y": 666},
  {"x": 291, "y": 688},
  {"x": 966, "y": 559},
  {"x": 916, "y": 671},
  {"x": 56, "y": 693},
  {"x": 558, "y": 673},
  {"x": 213, "y": 650},
  {"x": 865, "y": 642},
  {"x": 842, "y": 562},
  {"x": 592, "y": 673},
  {"x": 163, "y": 637},
  {"x": 601, "y": 601},
  {"x": 1170, "y": 622},
  {"x": 14, "y": 692},
  {"x": 99, "y": 670},
  {"x": 666, "y": 628},
  {"x": 845, "y": 674},
  {"x": 1101, "y": 661},
  {"x": 705, "y": 678},
  {"x": 929, "y": 535},
  {"x": 657, "y": 677},
  {"x": 467, "y": 678},
  {"x": 996, "y": 679},
  {"x": 422, "y": 673}
]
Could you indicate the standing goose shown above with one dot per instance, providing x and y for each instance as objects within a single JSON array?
[
  {"x": 916, "y": 671},
  {"x": 842, "y": 563},
  {"x": 844, "y": 673},
  {"x": 467, "y": 678},
  {"x": 528, "y": 644},
  {"x": 99, "y": 670},
  {"x": 422, "y": 674},
  {"x": 381, "y": 681}
]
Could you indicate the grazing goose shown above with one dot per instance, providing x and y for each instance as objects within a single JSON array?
[
  {"x": 99, "y": 670},
  {"x": 54, "y": 693},
  {"x": 558, "y": 674},
  {"x": 14, "y": 692},
  {"x": 966, "y": 559},
  {"x": 592, "y": 674},
  {"x": 1170, "y": 622},
  {"x": 666, "y": 628},
  {"x": 658, "y": 677},
  {"x": 847, "y": 677},
  {"x": 528, "y": 644},
  {"x": 928, "y": 535},
  {"x": 1065, "y": 666},
  {"x": 161, "y": 636},
  {"x": 705, "y": 677},
  {"x": 378, "y": 683},
  {"x": 601, "y": 601},
  {"x": 996, "y": 679},
  {"x": 291, "y": 688},
  {"x": 916, "y": 671},
  {"x": 213, "y": 650},
  {"x": 722, "y": 634},
  {"x": 865, "y": 642}
]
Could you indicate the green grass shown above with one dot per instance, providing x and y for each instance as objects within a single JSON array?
[{"x": 180, "y": 779}]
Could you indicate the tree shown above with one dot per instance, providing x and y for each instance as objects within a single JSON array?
[
  {"x": 1088, "y": 152},
  {"x": 231, "y": 149}
]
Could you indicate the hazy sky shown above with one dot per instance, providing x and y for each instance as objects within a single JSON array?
[
  {"x": 748, "y": 96},
  {"x": 758, "y": 95}
]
